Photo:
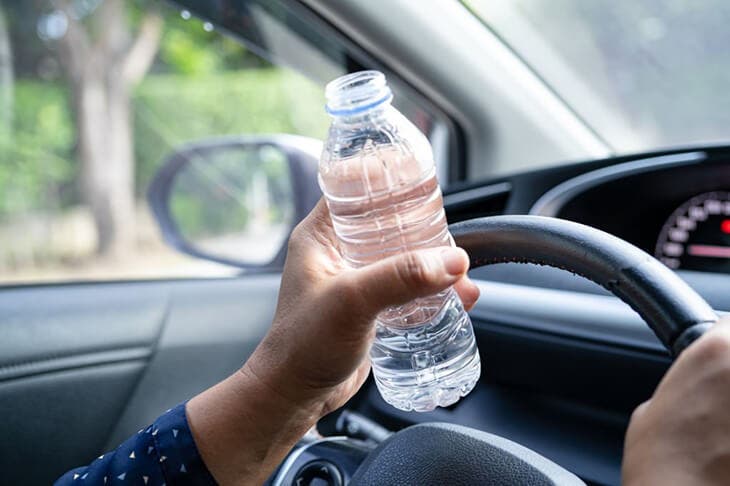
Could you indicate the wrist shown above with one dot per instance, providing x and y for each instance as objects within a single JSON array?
[
  {"x": 243, "y": 427},
  {"x": 283, "y": 376},
  {"x": 279, "y": 398}
]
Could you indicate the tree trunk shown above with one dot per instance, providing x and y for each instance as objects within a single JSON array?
[
  {"x": 101, "y": 76},
  {"x": 103, "y": 121}
]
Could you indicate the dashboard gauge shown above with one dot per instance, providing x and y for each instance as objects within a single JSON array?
[{"x": 697, "y": 235}]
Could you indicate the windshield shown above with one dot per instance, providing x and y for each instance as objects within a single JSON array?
[{"x": 644, "y": 74}]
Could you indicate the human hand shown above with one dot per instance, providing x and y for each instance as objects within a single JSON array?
[
  {"x": 316, "y": 353},
  {"x": 315, "y": 356},
  {"x": 682, "y": 434}
]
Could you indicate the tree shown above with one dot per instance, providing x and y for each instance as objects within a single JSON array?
[{"x": 103, "y": 59}]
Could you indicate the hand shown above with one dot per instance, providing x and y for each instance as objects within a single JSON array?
[
  {"x": 682, "y": 434},
  {"x": 316, "y": 353},
  {"x": 315, "y": 356}
]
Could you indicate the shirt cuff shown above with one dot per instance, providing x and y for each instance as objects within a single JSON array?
[{"x": 177, "y": 453}]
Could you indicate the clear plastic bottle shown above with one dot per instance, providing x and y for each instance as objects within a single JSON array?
[{"x": 378, "y": 175}]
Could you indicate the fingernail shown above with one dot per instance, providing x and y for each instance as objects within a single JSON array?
[{"x": 453, "y": 260}]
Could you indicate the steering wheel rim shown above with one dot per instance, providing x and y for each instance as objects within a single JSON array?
[{"x": 672, "y": 309}]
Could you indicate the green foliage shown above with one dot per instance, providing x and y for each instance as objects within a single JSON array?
[
  {"x": 175, "y": 109},
  {"x": 211, "y": 193},
  {"x": 188, "y": 48},
  {"x": 182, "y": 53},
  {"x": 219, "y": 193},
  {"x": 202, "y": 84},
  {"x": 199, "y": 218},
  {"x": 37, "y": 166}
]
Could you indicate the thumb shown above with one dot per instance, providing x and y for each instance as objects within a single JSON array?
[{"x": 401, "y": 278}]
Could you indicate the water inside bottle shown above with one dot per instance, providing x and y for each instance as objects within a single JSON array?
[{"x": 382, "y": 202}]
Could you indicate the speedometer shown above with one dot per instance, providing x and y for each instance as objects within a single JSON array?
[{"x": 697, "y": 235}]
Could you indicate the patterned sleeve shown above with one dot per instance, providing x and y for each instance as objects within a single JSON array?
[{"x": 162, "y": 454}]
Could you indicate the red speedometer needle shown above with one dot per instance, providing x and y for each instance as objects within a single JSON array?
[{"x": 715, "y": 251}]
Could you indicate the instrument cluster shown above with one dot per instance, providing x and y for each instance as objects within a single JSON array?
[{"x": 697, "y": 235}]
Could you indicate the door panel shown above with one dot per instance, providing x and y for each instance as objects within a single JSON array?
[
  {"x": 46, "y": 328},
  {"x": 55, "y": 421},
  {"x": 211, "y": 329},
  {"x": 82, "y": 367}
]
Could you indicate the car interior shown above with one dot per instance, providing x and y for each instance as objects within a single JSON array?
[{"x": 597, "y": 262}]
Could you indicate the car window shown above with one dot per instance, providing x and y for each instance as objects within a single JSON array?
[
  {"x": 288, "y": 33},
  {"x": 644, "y": 74},
  {"x": 95, "y": 94}
]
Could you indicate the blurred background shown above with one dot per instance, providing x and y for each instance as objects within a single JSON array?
[{"x": 93, "y": 95}]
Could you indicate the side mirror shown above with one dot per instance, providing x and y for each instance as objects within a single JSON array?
[{"x": 235, "y": 200}]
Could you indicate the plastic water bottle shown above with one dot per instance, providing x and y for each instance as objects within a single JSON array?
[{"x": 378, "y": 175}]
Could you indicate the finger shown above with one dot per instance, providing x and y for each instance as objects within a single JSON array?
[
  {"x": 468, "y": 292},
  {"x": 402, "y": 278},
  {"x": 717, "y": 336},
  {"x": 640, "y": 410},
  {"x": 701, "y": 358},
  {"x": 721, "y": 326}
]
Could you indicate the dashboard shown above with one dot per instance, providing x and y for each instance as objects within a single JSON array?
[
  {"x": 565, "y": 362},
  {"x": 642, "y": 198},
  {"x": 675, "y": 207}
]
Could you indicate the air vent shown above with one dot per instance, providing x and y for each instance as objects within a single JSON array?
[{"x": 477, "y": 202}]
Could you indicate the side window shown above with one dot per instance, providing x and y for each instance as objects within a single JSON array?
[
  {"x": 95, "y": 94},
  {"x": 288, "y": 34}
]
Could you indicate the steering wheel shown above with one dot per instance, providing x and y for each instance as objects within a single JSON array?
[
  {"x": 669, "y": 306},
  {"x": 435, "y": 454}
]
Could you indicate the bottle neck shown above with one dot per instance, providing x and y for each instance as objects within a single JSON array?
[
  {"x": 357, "y": 95},
  {"x": 373, "y": 115}
]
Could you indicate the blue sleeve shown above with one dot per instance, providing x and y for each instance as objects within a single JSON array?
[{"x": 162, "y": 454}]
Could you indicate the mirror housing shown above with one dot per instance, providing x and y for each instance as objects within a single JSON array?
[{"x": 207, "y": 164}]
